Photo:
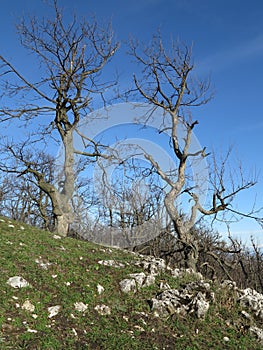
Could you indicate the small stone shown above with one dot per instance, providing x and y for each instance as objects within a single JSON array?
[
  {"x": 245, "y": 314},
  {"x": 53, "y": 310},
  {"x": 164, "y": 285},
  {"x": 74, "y": 332},
  {"x": 32, "y": 330},
  {"x": 42, "y": 264},
  {"x": 100, "y": 289},
  {"x": 111, "y": 263},
  {"x": 17, "y": 282},
  {"x": 103, "y": 309},
  {"x": 80, "y": 306},
  {"x": 226, "y": 339},
  {"x": 28, "y": 306}
]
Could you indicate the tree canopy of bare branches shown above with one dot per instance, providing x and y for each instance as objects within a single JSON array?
[
  {"x": 167, "y": 81},
  {"x": 71, "y": 56}
]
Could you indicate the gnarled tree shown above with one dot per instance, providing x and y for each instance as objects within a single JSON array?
[
  {"x": 71, "y": 57},
  {"x": 167, "y": 82}
]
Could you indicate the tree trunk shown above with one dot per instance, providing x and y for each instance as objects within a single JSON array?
[
  {"x": 65, "y": 215},
  {"x": 62, "y": 225},
  {"x": 191, "y": 255}
]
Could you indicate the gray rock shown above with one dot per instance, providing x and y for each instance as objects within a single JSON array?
[
  {"x": 228, "y": 284},
  {"x": 28, "y": 306},
  {"x": 142, "y": 279},
  {"x": 164, "y": 285},
  {"x": 136, "y": 282},
  {"x": 139, "y": 278},
  {"x": 200, "y": 305},
  {"x": 178, "y": 273},
  {"x": 149, "y": 280},
  {"x": 103, "y": 309},
  {"x": 111, "y": 263},
  {"x": 17, "y": 282},
  {"x": 128, "y": 285},
  {"x": 252, "y": 300},
  {"x": 53, "y": 310},
  {"x": 194, "y": 298},
  {"x": 257, "y": 332},
  {"x": 152, "y": 265}
]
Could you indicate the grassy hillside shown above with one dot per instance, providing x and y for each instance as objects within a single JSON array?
[{"x": 65, "y": 271}]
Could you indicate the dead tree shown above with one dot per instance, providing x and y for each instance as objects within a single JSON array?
[
  {"x": 167, "y": 82},
  {"x": 72, "y": 56}
]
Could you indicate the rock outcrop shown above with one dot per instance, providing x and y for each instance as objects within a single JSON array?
[{"x": 193, "y": 299}]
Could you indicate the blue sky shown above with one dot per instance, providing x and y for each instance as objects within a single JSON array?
[{"x": 227, "y": 39}]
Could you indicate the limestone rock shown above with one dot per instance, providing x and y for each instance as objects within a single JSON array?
[
  {"x": 142, "y": 279},
  {"x": 152, "y": 265},
  {"x": 128, "y": 285},
  {"x": 228, "y": 284},
  {"x": 252, "y": 300},
  {"x": 194, "y": 298},
  {"x": 103, "y": 309},
  {"x": 53, "y": 310},
  {"x": 17, "y": 282},
  {"x": 136, "y": 282},
  {"x": 28, "y": 306},
  {"x": 178, "y": 273},
  {"x": 100, "y": 289},
  {"x": 164, "y": 285},
  {"x": 258, "y": 333},
  {"x": 111, "y": 263},
  {"x": 80, "y": 306},
  {"x": 42, "y": 264}
]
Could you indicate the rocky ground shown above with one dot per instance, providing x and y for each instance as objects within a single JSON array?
[{"x": 69, "y": 294}]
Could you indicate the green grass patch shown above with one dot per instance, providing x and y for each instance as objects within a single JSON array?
[{"x": 70, "y": 273}]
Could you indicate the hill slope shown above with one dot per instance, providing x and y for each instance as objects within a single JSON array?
[{"x": 74, "y": 301}]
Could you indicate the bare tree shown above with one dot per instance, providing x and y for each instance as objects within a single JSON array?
[
  {"x": 126, "y": 204},
  {"x": 71, "y": 57},
  {"x": 23, "y": 199},
  {"x": 167, "y": 82}
]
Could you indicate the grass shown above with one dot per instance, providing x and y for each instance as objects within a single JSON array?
[{"x": 73, "y": 276}]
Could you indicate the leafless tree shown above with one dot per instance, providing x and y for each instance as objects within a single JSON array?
[
  {"x": 71, "y": 57},
  {"x": 127, "y": 204},
  {"x": 167, "y": 82},
  {"x": 23, "y": 199}
]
